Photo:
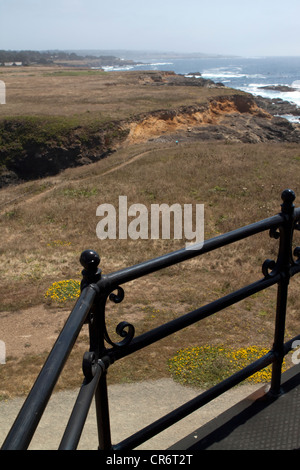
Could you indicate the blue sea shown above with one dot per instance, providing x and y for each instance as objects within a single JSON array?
[{"x": 247, "y": 74}]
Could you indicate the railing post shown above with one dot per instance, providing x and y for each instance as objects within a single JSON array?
[
  {"x": 92, "y": 274},
  {"x": 284, "y": 262}
]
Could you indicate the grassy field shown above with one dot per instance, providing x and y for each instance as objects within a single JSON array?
[
  {"x": 67, "y": 109},
  {"x": 46, "y": 224},
  {"x": 91, "y": 94}
]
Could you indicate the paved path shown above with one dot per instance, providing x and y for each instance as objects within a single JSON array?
[{"x": 132, "y": 406}]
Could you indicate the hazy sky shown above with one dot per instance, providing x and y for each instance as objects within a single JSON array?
[{"x": 256, "y": 27}]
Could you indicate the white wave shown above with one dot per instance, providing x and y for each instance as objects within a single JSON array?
[
  {"x": 149, "y": 65},
  {"x": 257, "y": 90},
  {"x": 213, "y": 75},
  {"x": 158, "y": 63},
  {"x": 111, "y": 68},
  {"x": 293, "y": 97},
  {"x": 291, "y": 118},
  {"x": 296, "y": 84},
  {"x": 225, "y": 72}
]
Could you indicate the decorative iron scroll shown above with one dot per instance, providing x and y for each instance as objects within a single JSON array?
[
  {"x": 287, "y": 209},
  {"x": 124, "y": 329},
  {"x": 91, "y": 274},
  {"x": 268, "y": 266}
]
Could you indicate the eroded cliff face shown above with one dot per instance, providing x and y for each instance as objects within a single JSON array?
[
  {"x": 236, "y": 118},
  {"x": 190, "y": 118},
  {"x": 233, "y": 118}
]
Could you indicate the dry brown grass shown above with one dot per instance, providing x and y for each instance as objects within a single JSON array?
[
  {"x": 238, "y": 184},
  {"x": 67, "y": 92}
]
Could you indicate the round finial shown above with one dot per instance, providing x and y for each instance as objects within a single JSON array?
[
  {"x": 288, "y": 196},
  {"x": 90, "y": 260}
]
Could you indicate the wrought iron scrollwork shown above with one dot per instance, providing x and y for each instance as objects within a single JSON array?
[
  {"x": 89, "y": 364},
  {"x": 92, "y": 274},
  {"x": 284, "y": 233},
  {"x": 274, "y": 233},
  {"x": 297, "y": 226},
  {"x": 296, "y": 253},
  {"x": 124, "y": 329},
  {"x": 117, "y": 298},
  {"x": 268, "y": 267}
]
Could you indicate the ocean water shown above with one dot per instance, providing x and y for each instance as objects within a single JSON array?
[{"x": 247, "y": 74}]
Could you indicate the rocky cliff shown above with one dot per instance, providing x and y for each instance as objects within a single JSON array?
[{"x": 235, "y": 118}]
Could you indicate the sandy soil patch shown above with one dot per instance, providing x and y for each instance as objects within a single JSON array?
[{"x": 31, "y": 331}]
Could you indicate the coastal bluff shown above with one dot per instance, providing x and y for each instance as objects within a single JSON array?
[{"x": 94, "y": 113}]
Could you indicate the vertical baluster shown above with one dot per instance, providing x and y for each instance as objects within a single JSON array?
[
  {"x": 284, "y": 262},
  {"x": 92, "y": 274}
]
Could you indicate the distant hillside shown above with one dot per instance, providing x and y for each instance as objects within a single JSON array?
[
  {"x": 57, "y": 57},
  {"x": 149, "y": 55}
]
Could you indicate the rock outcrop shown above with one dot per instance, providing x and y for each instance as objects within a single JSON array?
[
  {"x": 238, "y": 117},
  {"x": 283, "y": 88},
  {"x": 277, "y": 106}
]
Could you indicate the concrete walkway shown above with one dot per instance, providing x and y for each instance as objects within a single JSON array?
[{"x": 132, "y": 406}]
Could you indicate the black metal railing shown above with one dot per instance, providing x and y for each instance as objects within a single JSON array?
[{"x": 97, "y": 288}]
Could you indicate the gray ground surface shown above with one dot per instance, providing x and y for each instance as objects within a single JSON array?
[{"x": 132, "y": 406}]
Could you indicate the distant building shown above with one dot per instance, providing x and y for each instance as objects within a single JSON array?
[{"x": 12, "y": 64}]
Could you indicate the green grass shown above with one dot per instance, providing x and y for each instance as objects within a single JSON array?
[
  {"x": 20, "y": 134},
  {"x": 80, "y": 192},
  {"x": 74, "y": 73}
]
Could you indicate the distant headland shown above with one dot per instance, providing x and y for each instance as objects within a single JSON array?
[
  {"x": 62, "y": 58},
  {"x": 91, "y": 58}
]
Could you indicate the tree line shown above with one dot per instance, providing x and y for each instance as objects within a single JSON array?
[{"x": 37, "y": 57}]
